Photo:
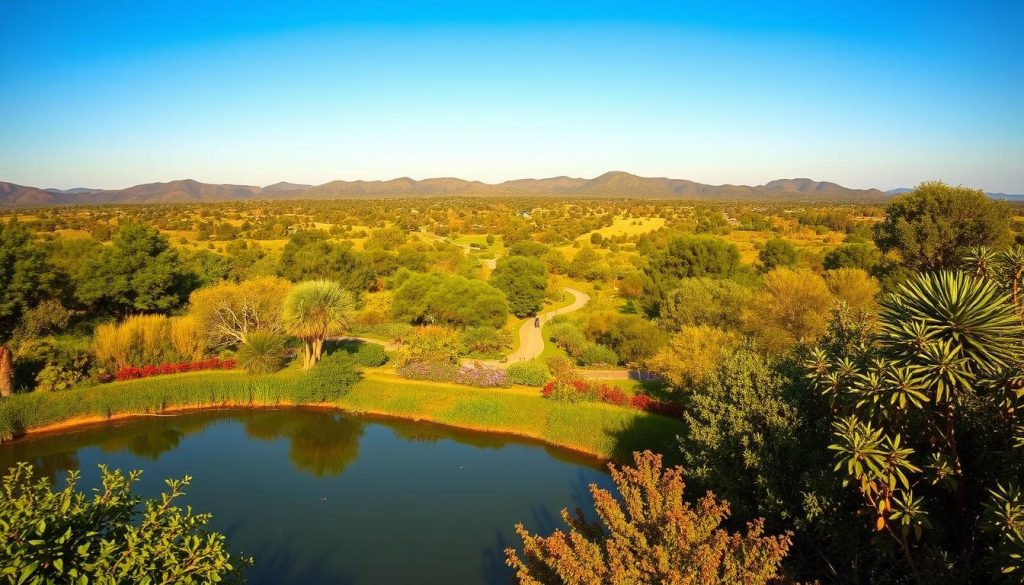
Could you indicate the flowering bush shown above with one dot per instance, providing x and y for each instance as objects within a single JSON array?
[
  {"x": 434, "y": 371},
  {"x": 577, "y": 389},
  {"x": 482, "y": 377},
  {"x": 133, "y": 373}
]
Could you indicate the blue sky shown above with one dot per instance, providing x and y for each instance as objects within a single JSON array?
[{"x": 868, "y": 94}]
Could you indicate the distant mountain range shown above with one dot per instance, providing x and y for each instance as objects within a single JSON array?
[{"x": 612, "y": 184}]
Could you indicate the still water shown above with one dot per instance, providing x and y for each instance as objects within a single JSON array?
[{"x": 321, "y": 497}]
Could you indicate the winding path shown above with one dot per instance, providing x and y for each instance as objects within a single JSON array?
[{"x": 531, "y": 338}]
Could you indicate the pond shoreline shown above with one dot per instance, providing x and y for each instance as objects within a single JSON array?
[
  {"x": 600, "y": 431},
  {"x": 82, "y": 423}
]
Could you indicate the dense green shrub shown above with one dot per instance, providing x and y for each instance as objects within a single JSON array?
[
  {"x": 596, "y": 354},
  {"x": 262, "y": 352},
  {"x": 485, "y": 340},
  {"x": 568, "y": 337},
  {"x": 368, "y": 355},
  {"x": 531, "y": 373},
  {"x": 332, "y": 378},
  {"x": 113, "y": 537}
]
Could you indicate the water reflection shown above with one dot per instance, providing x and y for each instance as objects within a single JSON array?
[
  {"x": 320, "y": 497},
  {"x": 323, "y": 448}
]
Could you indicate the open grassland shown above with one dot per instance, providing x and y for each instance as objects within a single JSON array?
[
  {"x": 601, "y": 430},
  {"x": 628, "y": 226}
]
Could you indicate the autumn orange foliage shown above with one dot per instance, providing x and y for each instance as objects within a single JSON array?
[{"x": 651, "y": 535}]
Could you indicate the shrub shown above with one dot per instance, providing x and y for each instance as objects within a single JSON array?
[
  {"x": 529, "y": 373},
  {"x": 369, "y": 355},
  {"x": 63, "y": 370},
  {"x": 431, "y": 344},
  {"x": 568, "y": 337},
  {"x": 424, "y": 370},
  {"x": 481, "y": 377},
  {"x": 485, "y": 340},
  {"x": 67, "y": 536},
  {"x": 262, "y": 352},
  {"x": 332, "y": 378},
  {"x": 650, "y": 535},
  {"x": 561, "y": 366},
  {"x": 596, "y": 354}
]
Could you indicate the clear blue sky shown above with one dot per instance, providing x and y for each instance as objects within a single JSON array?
[{"x": 868, "y": 94}]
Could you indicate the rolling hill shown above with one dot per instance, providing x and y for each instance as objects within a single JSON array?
[{"x": 611, "y": 184}]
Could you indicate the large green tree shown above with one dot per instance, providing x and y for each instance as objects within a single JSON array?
[
  {"x": 140, "y": 272},
  {"x": 777, "y": 253},
  {"x": 24, "y": 277},
  {"x": 524, "y": 281},
  {"x": 687, "y": 257},
  {"x": 934, "y": 226},
  {"x": 443, "y": 299}
]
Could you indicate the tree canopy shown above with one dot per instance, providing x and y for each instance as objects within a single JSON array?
[
  {"x": 688, "y": 257},
  {"x": 524, "y": 281},
  {"x": 934, "y": 226},
  {"x": 443, "y": 299},
  {"x": 139, "y": 272}
]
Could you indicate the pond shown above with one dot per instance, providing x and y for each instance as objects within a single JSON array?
[{"x": 322, "y": 497}]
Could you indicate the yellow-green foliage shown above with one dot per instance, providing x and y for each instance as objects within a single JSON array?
[
  {"x": 147, "y": 340},
  {"x": 226, "y": 313},
  {"x": 692, "y": 354}
]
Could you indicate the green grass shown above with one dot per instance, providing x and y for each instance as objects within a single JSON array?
[{"x": 601, "y": 430}]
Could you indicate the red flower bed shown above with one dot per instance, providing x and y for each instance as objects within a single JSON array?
[
  {"x": 133, "y": 373},
  {"x": 614, "y": 395}
]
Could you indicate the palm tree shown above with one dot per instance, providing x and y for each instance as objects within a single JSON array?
[{"x": 314, "y": 310}]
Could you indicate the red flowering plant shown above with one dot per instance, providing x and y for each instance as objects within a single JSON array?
[
  {"x": 575, "y": 389},
  {"x": 135, "y": 373}
]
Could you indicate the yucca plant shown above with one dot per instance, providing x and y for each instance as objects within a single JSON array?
[
  {"x": 968, "y": 317},
  {"x": 262, "y": 352},
  {"x": 314, "y": 310},
  {"x": 941, "y": 376}
]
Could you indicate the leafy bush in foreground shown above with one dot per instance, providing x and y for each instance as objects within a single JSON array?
[
  {"x": 115, "y": 537},
  {"x": 529, "y": 373},
  {"x": 652, "y": 536}
]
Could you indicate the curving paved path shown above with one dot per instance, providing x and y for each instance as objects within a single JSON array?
[{"x": 531, "y": 340}]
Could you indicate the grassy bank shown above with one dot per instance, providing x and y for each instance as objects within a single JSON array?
[{"x": 601, "y": 430}]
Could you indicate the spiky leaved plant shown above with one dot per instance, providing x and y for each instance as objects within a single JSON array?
[
  {"x": 314, "y": 310},
  {"x": 945, "y": 370}
]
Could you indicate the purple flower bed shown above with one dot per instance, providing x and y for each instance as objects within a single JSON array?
[
  {"x": 433, "y": 371},
  {"x": 482, "y": 377}
]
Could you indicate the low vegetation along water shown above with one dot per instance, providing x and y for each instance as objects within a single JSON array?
[{"x": 321, "y": 497}]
